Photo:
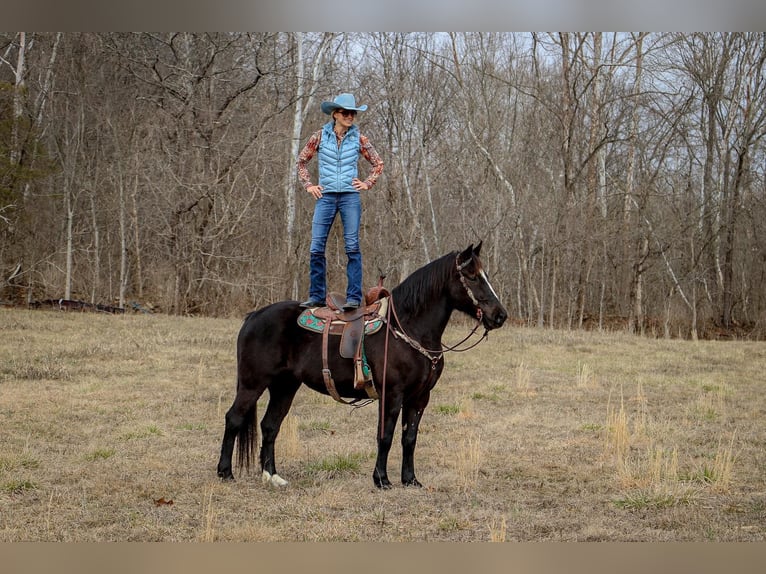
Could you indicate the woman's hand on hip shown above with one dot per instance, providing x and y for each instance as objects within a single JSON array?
[
  {"x": 315, "y": 191},
  {"x": 359, "y": 185}
]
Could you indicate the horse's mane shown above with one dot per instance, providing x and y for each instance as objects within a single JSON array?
[{"x": 424, "y": 284}]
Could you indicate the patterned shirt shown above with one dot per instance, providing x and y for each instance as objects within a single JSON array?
[{"x": 310, "y": 150}]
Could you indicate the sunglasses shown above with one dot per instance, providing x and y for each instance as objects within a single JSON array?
[{"x": 346, "y": 113}]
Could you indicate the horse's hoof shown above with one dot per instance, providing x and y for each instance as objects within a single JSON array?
[
  {"x": 382, "y": 483},
  {"x": 226, "y": 476},
  {"x": 414, "y": 482},
  {"x": 273, "y": 479}
]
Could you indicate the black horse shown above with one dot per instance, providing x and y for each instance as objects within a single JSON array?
[{"x": 406, "y": 360}]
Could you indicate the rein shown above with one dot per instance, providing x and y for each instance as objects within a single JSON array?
[{"x": 432, "y": 354}]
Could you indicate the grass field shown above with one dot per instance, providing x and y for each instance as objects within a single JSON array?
[{"x": 110, "y": 430}]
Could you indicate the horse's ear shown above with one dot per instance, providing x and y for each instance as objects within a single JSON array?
[
  {"x": 477, "y": 249},
  {"x": 466, "y": 255}
]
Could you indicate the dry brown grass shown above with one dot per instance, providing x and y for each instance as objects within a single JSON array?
[{"x": 534, "y": 435}]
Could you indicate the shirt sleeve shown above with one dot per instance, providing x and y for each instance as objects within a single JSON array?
[
  {"x": 305, "y": 156},
  {"x": 371, "y": 155}
]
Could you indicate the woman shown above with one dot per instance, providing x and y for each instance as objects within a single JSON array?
[{"x": 338, "y": 145}]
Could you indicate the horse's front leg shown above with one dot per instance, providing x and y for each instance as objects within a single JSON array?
[
  {"x": 388, "y": 413},
  {"x": 411, "y": 416}
]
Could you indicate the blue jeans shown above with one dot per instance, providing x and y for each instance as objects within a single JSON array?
[{"x": 349, "y": 205}]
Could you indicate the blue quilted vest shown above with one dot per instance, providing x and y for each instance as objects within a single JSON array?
[{"x": 338, "y": 165}]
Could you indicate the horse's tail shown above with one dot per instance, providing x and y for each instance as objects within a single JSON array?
[{"x": 247, "y": 438}]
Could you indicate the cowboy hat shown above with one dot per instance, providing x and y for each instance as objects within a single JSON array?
[{"x": 344, "y": 102}]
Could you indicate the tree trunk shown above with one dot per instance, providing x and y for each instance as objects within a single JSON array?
[
  {"x": 94, "y": 288},
  {"x": 137, "y": 238},
  {"x": 635, "y": 273},
  {"x": 18, "y": 103},
  {"x": 303, "y": 103}
]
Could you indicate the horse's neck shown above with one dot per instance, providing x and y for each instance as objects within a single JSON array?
[
  {"x": 427, "y": 323},
  {"x": 422, "y": 301}
]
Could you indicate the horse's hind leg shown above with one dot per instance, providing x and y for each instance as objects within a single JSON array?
[
  {"x": 281, "y": 394},
  {"x": 239, "y": 420}
]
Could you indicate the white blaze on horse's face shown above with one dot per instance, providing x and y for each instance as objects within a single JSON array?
[
  {"x": 486, "y": 280},
  {"x": 496, "y": 312}
]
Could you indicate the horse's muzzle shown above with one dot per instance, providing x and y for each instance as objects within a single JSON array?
[{"x": 495, "y": 319}]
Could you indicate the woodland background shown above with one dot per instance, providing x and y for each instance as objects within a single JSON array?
[{"x": 617, "y": 180}]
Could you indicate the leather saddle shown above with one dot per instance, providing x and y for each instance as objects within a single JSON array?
[{"x": 351, "y": 326}]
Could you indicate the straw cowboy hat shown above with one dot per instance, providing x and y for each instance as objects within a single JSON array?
[{"x": 343, "y": 102}]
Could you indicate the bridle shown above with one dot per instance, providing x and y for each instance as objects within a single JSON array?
[
  {"x": 460, "y": 267},
  {"x": 432, "y": 354}
]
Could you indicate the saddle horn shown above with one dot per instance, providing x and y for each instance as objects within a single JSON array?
[{"x": 377, "y": 292}]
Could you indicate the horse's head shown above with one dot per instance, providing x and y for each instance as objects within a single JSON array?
[{"x": 476, "y": 295}]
